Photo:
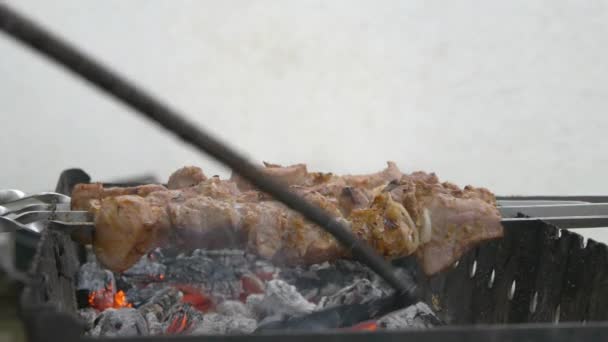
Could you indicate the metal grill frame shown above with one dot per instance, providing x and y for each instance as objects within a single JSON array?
[{"x": 539, "y": 257}]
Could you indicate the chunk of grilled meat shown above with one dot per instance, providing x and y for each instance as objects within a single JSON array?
[
  {"x": 451, "y": 220},
  {"x": 186, "y": 177},
  {"x": 127, "y": 227},
  {"x": 396, "y": 214},
  {"x": 89, "y": 196}
]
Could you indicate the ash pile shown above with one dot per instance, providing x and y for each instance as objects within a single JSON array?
[{"x": 232, "y": 292}]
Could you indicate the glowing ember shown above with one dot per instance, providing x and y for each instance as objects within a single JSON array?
[
  {"x": 106, "y": 298},
  {"x": 120, "y": 300},
  {"x": 251, "y": 285},
  {"x": 364, "y": 326},
  {"x": 195, "y": 297},
  {"x": 179, "y": 324}
]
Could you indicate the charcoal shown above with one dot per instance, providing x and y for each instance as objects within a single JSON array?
[
  {"x": 326, "y": 279},
  {"x": 219, "y": 272},
  {"x": 88, "y": 316},
  {"x": 300, "y": 277},
  {"x": 160, "y": 303},
  {"x": 329, "y": 289},
  {"x": 146, "y": 270},
  {"x": 280, "y": 298},
  {"x": 233, "y": 308},
  {"x": 140, "y": 295},
  {"x": 404, "y": 274},
  {"x": 182, "y": 318},
  {"x": 346, "y": 291},
  {"x": 234, "y": 258},
  {"x": 225, "y": 288},
  {"x": 414, "y": 316},
  {"x": 124, "y": 283},
  {"x": 334, "y": 317},
  {"x": 361, "y": 291},
  {"x": 120, "y": 322},
  {"x": 217, "y": 324},
  {"x": 254, "y": 305},
  {"x": 154, "y": 326},
  {"x": 92, "y": 277},
  {"x": 192, "y": 269},
  {"x": 310, "y": 295}
]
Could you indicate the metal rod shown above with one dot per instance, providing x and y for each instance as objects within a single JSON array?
[
  {"x": 51, "y": 46},
  {"x": 568, "y": 222},
  {"x": 555, "y": 210}
]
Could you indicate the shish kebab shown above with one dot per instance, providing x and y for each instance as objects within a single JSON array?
[{"x": 398, "y": 214}]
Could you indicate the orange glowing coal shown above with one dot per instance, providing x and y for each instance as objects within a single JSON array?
[
  {"x": 364, "y": 326},
  {"x": 120, "y": 300},
  {"x": 195, "y": 297},
  {"x": 178, "y": 325},
  {"x": 106, "y": 298}
]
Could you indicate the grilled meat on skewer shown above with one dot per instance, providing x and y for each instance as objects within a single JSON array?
[{"x": 397, "y": 214}]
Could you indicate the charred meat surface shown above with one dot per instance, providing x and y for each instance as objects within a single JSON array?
[{"x": 397, "y": 214}]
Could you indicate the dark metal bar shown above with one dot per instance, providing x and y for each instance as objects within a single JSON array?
[
  {"x": 568, "y": 222},
  {"x": 51, "y": 46},
  {"x": 555, "y": 210}
]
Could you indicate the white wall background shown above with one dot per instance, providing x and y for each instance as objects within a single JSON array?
[{"x": 512, "y": 95}]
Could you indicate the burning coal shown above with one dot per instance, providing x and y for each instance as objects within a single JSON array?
[
  {"x": 232, "y": 292},
  {"x": 106, "y": 298}
]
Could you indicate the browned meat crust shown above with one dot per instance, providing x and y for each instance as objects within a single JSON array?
[
  {"x": 87, "y": 196},
  {"x": 397, "y": 214},
  {"x": 186, "y": 177}
]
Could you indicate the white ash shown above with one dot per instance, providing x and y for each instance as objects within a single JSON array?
[
  {"x": 190, "y": 269},
  {"x": 217, "y": 324},
  {"x": 120, "y": 322},
  {"x": 254, "y": 305},
  {"x": 404, "y": 274},
  {"x": 233, "y": 308},
  {"x": 326, "y": 279},
  {"x": 361, "y": 291},
  {"x": 264, "y": 266},
  {"x": 235, "y": 258},
  {"x": 311, "y": 295},
  {"x": 155, "y": 327},
  {"x": 140, "y": 295},
  {"x": 414, "y": 316},
  {"x": 280, "y": 298},
  {"x": 146, "y": 269},
  {"x": 161, "y": 303},
  {"x": 92, "y": 277},
  {"x": 219, "y": 273},
  {"x": 88, "y": 316}
]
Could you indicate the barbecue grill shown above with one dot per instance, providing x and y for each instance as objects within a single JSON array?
[{"x": 538, "y": 282}]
